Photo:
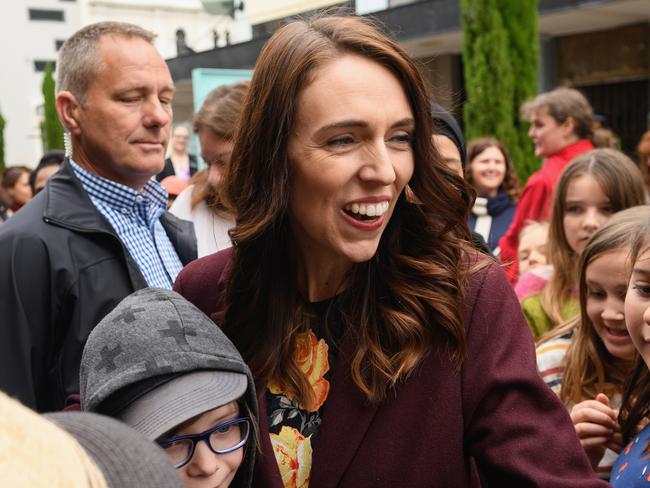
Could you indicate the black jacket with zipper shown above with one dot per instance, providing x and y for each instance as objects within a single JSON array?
[{"x": 62, "y": 269}]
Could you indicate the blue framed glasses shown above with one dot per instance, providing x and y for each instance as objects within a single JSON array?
[{"x": 221, "y": 439}]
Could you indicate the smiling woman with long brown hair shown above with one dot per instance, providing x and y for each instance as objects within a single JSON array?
[{"x": 387, "y": 351}]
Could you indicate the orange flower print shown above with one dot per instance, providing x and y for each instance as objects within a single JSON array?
[
  {"x": 311, "y": 357},
  {"x": 293, "y": 454}
]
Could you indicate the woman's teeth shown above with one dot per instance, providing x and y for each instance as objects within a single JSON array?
[
  {"x": 367, "y": 209},
  {"x": 617, "y": 332}
]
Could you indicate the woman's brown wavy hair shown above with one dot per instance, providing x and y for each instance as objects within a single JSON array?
[
  {"x": 510, "y": 181},
  {"x": 621, "y": 181},
  {"x": 399, "y": 304},
  {"x": 589, "y": 367}
]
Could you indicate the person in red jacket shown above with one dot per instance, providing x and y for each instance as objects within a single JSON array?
[{"x": 561, "y": 129}]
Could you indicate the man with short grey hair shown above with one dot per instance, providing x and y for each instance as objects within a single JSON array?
[{"x": 99, "y": 230}]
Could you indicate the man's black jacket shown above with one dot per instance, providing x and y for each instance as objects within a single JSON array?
[{"x": 62, "y": 269}]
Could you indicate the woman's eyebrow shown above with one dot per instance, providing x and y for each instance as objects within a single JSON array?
[
  {"x": 343, "y": 124},
  {"x": 640, "y": 271},
  {"x": 404, "y": 123},
  {"x": 354, "y": 123}
]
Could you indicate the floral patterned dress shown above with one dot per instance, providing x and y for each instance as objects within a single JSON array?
[{"x": 293, "y": 426}]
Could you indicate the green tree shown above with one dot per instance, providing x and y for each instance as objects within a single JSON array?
[
  {"x": 2, "y": 143},
  {"x": 52, "y": 128},
  {"x": 500, "y": 57},
  {"x": 522, "y": 18}
]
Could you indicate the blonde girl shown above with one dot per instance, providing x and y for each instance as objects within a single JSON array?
[
  {"x": 586, "y": 360},
  {"x": 591, "y": 189},
  {"x": 631, "y": 468}
]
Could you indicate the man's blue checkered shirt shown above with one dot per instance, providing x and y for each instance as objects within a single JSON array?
[{"x": 135, "y": 216}]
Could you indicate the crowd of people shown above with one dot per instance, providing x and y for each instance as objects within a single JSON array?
[{"x": 347, "y": 295}]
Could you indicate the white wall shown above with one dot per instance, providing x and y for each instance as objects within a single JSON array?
[
  {"x": 24, "y": 41},
  {"x": 260, "y": 11},
  {"x": 164, "y": 17}
]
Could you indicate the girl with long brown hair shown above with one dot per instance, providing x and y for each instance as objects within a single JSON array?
[
  {"x": 386, "y": 350},
  {"x": 587, "y": 360},
  {"x": 201, "y": 202},
  {"x": 631, "y": 467},
  {"x": 591, "y": 189}
]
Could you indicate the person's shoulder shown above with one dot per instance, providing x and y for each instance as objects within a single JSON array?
[
  {"x": 559, "y": 344},
  {"x": 550, "y": 357},
  {"x": 26, "y": 223},
  {"x": 202, "y": 279},
  {"x": 210, "y": 266},
  {"x": 539, "y": 180},
  {"x": 182, "y": 206},
  {"x": 532, "y": 301},
  {"x": 483, "y": 274}
]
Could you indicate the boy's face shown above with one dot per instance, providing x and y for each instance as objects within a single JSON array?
[
  {"x": 532, "y": 249},
  {"x": 207, "y": 469}
]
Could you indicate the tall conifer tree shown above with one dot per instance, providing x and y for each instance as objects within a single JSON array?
[
  {"x": 521, "y": 19},
  {"x": 500, "y": 58}
]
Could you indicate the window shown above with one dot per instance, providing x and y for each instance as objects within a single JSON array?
[
  {"x": 58, "y": 43},
  {"x": 40, "y": 14},
  {"x": 39, "y": 65}
]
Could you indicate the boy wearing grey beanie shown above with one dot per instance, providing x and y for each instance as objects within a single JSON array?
[{"x": 160, "y": 365}]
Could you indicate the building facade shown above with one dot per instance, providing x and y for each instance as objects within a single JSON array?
[
  {"x": 31, "y": 35},
  {"x": 601, "y": 48}
]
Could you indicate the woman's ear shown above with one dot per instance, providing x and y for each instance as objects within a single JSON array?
[{"x": 69, "y": 110}]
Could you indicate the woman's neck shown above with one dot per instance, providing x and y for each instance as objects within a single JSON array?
[{"x": 320, "y": 279}]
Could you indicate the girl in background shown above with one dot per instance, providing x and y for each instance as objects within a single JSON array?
[
  {"x": 586, "y": 360},
  {"x": 489, "y": 170},
  {"x": 592, "y": 188},
  {"x": 534, "y": 270},
  {"x": 201, "y": 202},
  {"x": 632, "y": 466}
]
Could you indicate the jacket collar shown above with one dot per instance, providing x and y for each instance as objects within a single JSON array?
[
  {"x": 68, "y": 205},
  {"x": 346, "y": 412},
  {"x": 567, "y": 153}
]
